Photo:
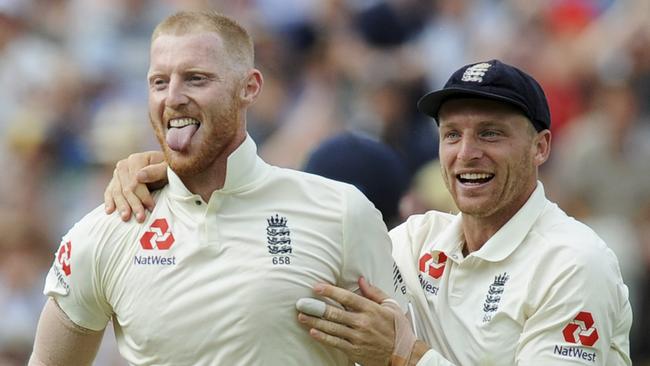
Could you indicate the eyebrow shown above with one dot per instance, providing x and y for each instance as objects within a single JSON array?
[{"x": 482, "y": 123}]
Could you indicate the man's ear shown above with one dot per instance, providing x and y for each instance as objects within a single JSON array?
[
  {"x": 251, "y": 87},
  {"x": 542, "y": 147}
]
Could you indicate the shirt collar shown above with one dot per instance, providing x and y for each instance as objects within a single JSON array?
[
  {"x": 512, "y": 234},
  {"x": 451, "y": 240},
  {"x": 504, "y": 241},
  {"x": 243, "y": 169}
]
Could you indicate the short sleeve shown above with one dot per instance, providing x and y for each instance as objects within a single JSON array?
[
  {"x": 73, "y": 279},
  {"x": 584, "y": 318},
  {"x": 367, "y": 249}
]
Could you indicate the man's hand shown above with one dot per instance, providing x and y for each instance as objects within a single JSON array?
[
  {"x": 364, "y": 330},
  {"x": 133, "y": 177}
]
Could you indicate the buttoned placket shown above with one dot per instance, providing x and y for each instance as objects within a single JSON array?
[
  {"x": 210, "y": 225},
  {"x": 457, "y": 265}
]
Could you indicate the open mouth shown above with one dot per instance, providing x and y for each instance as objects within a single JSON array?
[
  {"x": 474, "y": 178},
  {"x": 180, "y": 132}
]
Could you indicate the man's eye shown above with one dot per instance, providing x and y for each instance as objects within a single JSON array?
[
  {"x": 158, "y": 83},
  {"x": 197, "y": 79},
  {"x": 452, "y": 135},
  {"x": 490, "y": 133}
]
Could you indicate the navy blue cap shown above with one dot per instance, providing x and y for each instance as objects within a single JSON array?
[{"x": 492, "y": 80}]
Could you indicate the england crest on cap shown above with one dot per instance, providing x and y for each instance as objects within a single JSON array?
[{"x": 476, "y": 72}]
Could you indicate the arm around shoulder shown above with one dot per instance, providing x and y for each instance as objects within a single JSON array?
[{"x": 59, "y": 341}]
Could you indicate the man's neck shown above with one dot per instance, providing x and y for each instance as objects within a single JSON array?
[
  {"x": 477, "y": 230},
  {"x": 208, "y": 181},
  {"x": 214, "y": 177}
]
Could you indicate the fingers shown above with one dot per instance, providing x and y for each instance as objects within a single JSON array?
[
  {"x": 154, "y": 175},
  {"x": 114, "y": 199},
  {"x": 140, "y": 200},
  {"x": 129, "y": 186},
  {"x": 109, "y": 205},
  {"x": 327, "y": 327},
  {"x": 311, "y": 306},
  {"x": 341, "y": 316},
  {"x": 155, "y": 157},
  {"x": 348, "y": 299},
  {"x": 126, "y": 193},
  {"x": 371, "y": 292},
  {"x": 331, "y": 340},
  {"x": 364, "y": 330}
]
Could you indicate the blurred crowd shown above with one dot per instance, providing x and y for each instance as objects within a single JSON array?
[{"x": 73, "y": 102}]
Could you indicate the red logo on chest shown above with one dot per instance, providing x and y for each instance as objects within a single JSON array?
[
  {"x": 158, "y": 236},
  {"x": 433, "y": 268}
]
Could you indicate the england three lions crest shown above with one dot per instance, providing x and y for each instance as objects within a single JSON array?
[{"x": 278, "y": 235}]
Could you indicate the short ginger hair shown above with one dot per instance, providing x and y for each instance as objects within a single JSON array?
[{"x": 237, "y": 41}]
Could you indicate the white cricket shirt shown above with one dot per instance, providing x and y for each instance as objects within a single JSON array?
[
  {"x": 216, "y": 283},
  {"x": 544, "y": 290}
]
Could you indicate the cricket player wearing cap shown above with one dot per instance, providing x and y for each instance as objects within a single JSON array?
[
  {"x": 212, "y": 276},
  {"x": 511, "y": 279}
]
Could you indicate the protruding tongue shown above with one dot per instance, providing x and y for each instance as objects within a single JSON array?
[{"x": 179, "y": 139}]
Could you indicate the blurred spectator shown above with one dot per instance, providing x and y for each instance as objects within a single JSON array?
[
  {"x": 372, "y": 167},
  {"x": 427, "y": 192},
  {"x": 607, "y": 143},
  {"x": 23, "y": 264},
  {"x": 390, "y": 107}
]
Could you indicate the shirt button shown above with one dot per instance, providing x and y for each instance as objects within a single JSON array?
[
  {"x": 454, "y": 256},
  {"x": 198, "y": 203}
]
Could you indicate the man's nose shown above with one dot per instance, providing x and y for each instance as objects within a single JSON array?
[
  {"x": 469, "y": 149},
  {"x": 176, "y": 94}
]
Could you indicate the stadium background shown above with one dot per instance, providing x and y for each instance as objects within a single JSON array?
[{"x": 73, "y": 100}]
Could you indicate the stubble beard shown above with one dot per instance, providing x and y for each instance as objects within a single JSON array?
[
  {"x": 494, "y": 204},
  {"x": 223, "y": 128}
]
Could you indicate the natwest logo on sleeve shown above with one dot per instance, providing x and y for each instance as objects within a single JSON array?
[
  {"x": 433, "y": 268},
  {"x": 63, "y": 257},
  {"x": 159, "y": 236},
  {"x": 581, "y": 330}
]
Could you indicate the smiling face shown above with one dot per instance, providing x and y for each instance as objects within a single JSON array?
[
  {"x": 194, "y": 104},
  {"x": 489, "y": 154}
]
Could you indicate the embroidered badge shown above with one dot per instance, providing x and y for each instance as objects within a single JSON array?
[
  {"x": 476, "y": 72},
  {"x": 278, "y": 238},
  {"x": 493, "y": 296}
]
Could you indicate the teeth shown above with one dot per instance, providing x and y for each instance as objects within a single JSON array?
[
  {"x": 182, "y": 122},
  {"x": 474, "y": 176}
]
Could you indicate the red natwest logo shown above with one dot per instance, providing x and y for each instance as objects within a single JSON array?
[
  {"x": 158, "y": 236},
  {"x": 581, "y": 330},
  {"x": 63, "y": 257},
  {"x": 434, "y": 269}
]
